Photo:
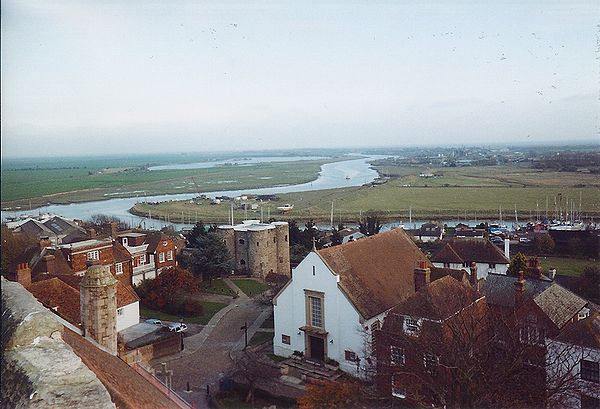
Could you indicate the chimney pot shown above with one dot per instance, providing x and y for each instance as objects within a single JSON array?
[{"x": 422, "y": 277}]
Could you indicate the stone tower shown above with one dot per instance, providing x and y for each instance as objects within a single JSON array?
[
  {"x": 282, "y": 232},
  {"x": 98, "y": 303}
]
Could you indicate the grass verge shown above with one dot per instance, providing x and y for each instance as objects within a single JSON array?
[
  {"x": 218, "y": 287},
  {"x": 260, "y": 337},
  {"x": 210, "y": 309},
  {"x": 250, "y": 287},
  {"x": 566, "y": 266}
]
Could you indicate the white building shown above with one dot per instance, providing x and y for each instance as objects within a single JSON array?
[
  {"x": 573, "y": 365},
  {"x": 338, "y": 296},
  {"x": 460, "y": 253}
]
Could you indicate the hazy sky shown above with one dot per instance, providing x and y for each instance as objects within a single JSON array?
[{"x": 155, "y": 76}]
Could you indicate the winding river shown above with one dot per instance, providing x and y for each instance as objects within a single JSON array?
[{"x": 353, "y": 172}]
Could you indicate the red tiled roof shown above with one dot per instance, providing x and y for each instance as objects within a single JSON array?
[
  {"x": 125, "y": 293},
  {"x": 470, "y": 249},
  {"x": 120, "y": 253},
  {"x": 127, "y": 388},
  {"x": 377, "y": 272},
  {"x": 58, "y": 296}
]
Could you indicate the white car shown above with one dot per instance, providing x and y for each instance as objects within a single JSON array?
[
  {"x": 524, "y": 240},
  {"x": 178, "y": 327},
  {"x": 154, "y": 321}
]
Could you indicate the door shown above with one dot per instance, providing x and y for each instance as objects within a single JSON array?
[{"x": 317, "y": 348}]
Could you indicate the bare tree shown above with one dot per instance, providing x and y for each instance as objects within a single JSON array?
[{"x": 253, "y": 370}]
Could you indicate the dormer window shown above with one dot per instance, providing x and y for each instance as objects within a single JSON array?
[{"x": 411, "y": 325}]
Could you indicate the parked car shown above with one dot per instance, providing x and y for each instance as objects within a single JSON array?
[
  {"x": 497, "y": 240},
  {"x": 153, "y": 321},
  {"x": 524, "y": 240},
  {"x": 178, "y": 327}
]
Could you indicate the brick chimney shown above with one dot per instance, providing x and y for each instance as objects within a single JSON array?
[
  {"x": 45, "y": 242},
  {"x": 49, "y": 262},
  {"x": 473, "y": 277},
  {"x": 533, "y": 268},
  {"x": 519, "y": 289},
  {"x": 113, "y": 230},
  {"x": 23, "y": 274},
  {"x": 92, "y": 233},
  {"x": 422, "y": 275}
]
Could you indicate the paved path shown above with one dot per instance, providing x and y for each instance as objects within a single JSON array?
[{"x": 207, "y": 355}]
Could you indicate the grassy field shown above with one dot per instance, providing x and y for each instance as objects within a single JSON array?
[
  {"x": 218, "y": 287},
  {"x": 260, "y": 337},
  {"x": 566, "y": 266},
  {"x": 250, "y": 287},
  {"x": 464, "y": 193},
  {"x": 210, "y": 309},
  {"x": 42, "y": 185}
]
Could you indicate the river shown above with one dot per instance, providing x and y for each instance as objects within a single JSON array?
[{"x": 354, "y": 172}]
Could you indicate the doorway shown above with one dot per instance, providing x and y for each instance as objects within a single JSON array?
[{"x": 316, "y": 348}]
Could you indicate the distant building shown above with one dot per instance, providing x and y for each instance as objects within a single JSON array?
[
  {"x": 428, "y": 232},
  {"x": 460, "y": 253},
  {"x": 150, "y": 253},
  {"x": 56, "y": 229},
  {"x": 258, "y": 248}
]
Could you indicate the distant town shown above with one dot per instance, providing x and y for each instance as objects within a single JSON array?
[{"x": 417, "y": 277}]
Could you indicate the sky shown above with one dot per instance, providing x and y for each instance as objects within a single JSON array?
[{"x": 82, "y": 77}]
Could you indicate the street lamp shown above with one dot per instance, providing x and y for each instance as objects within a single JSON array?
[{"x": 245, "y": 328}]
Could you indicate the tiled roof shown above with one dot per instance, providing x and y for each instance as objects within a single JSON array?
[
  {"x": 447, "y": 255},
  {"x": 125, "y": 293},
  {"x": 439, "y": 300},
  {"x": 377, "y": 272},
  {"x": 585, "y": 333},
  {"x": 559, "y": 304},
  {"x": 127, "y": 388},
  {"x": 153, "y": 239},
  {"x": 58, "y": 296},
  {"x": 33, "y": 255},
  {"x": 500, "y": 289},
  {"x": 120, "y": 253},
  {"x": 457, "y": 274},
  {"x": 34, "y": 228},
  {"x": 471, "y": 249}
]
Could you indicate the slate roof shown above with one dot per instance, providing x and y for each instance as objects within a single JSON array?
[
  {"x": 35, "y": 228},
  {"x": 499, "y": 289},
  {"x": 559, "y": 304},
  {"x": 470, "y": 249},
  {"x": 33, "y": 256},
  {"x": 127, "y": 388},
  {"x": 152, "y": 239},
  {"x": 376, "y": 272},
  {"x": 58, "y": 296},
  {"x": 585, "y": 332},
  {"x": 438, "y": 300}
]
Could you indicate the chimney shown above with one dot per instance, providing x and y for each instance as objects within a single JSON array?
[
  {"x": 48, "y": 260},
  {"x": 23, "y": 274},
  {"x": 507, "y": 248},
  {"x": 552, "y": 273},
  {"x": 113, "y": 230},
  {"x": 92, "y": 233},
  {"x": 473, "y": 277},
  {"x": 519, "y": 289},
  {"x": 422, "y": 275},
  {"x": 98, "y": 304},
  {"x": 533, "y": 268},
  {"x": 45, "y": 242}
]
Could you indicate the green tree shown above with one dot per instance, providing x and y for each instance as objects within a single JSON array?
[
  {"x": 543, "y": 244},
  {"x": 518, "y": 263},
  {"x": 199, "y": 230},
  {"x": 371, "y": 224},
  {"x": 210, "y": 257}
]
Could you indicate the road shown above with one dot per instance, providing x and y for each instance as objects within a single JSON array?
[{"x": 206, "y": 356}]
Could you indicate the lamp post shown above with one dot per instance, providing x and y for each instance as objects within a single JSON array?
[{"x": 245, "y": 328}]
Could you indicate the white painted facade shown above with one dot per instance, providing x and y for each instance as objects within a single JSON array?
[
  {"x": 564, "y": 365},
  {"x": 128, "y": 315},
  {"x": 483, "y": 269},
  {"x": 343, "y": 324}
]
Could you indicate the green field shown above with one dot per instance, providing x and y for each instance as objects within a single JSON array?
[
  {"x": 210, "y": 309},
  {"x": 463, "y": 193},
  {"x": 22, "y": 187},
  {"x": 260, "y": 337},
  {"x": 566, "y": 266},
  {"x": 218, "y": 287},
  {"x": 250, "y": 287}
]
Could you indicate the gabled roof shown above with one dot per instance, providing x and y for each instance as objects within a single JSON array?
[
  {"x": 60, "y": 297},
  {"x": 377, "y": 272},
  {"x": 584, "y": 333},
  {"x": 471, "y": 249},
  {"x": 500, "y": 289},
  {"x": 438, "y": 300},
  {"x": 33, "y": 256},
  {"x": 127, "y": 388},
  {"x": 62, "y": 226},
  {"x": 125, "y": 293},
  {"x": 153, "y": 239},
  {"x": 457, "y": 274},
  {"x": 120, "y": 253},
  {"x": 559, "y": 304}
]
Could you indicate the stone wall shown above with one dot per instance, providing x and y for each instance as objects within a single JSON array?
[{"x": 38, "y": 369}]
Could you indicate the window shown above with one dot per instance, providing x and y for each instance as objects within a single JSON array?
[
  {"x": 120, "y": 312},
  {"x": 242, "y": 262},
  {"x": 143, "y": 259},
  {"x": 241, "y": 241},
  {"x": 285, "y": 339},
  {"x": 492, "y": 265},
  {"x": 466, "y": 264},
  {"x": 281, "y": 259},
  {"x": 446, "y": 265},
  {"x": 125, "y": 241},
  {"x": 397, "y": 390},
  {"x": 119, "y": 268},
  {"x": 314, "y": 309},
  {"x": 93, "y": 255},
  {"x": 161, "y": 257},
  {"x": 376, "y": 326},
  {"x": 430, "y": 363},
  {"x": 286, "y": 237},
  {"x": 590, "y": 370},
  {"x": 274, "y": 239},
  {"x": 350, "y": 356},
  {"x": 397, "y": 356},
  {"x": 583, "y": 314},
  {"x": 257, "y": 243},
  {"x": 170, "y": 255},
  {"x": 411, "y": 325}
]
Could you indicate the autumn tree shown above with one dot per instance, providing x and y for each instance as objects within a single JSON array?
[
  {"x": 325, "y": 394},
  {"x": 518, "y": 263},
  {"x": 12, "y": 245},
  {"x": 253, "y": 370},
  {"x": 543, "y": 244},
  {"x": 170, "y": 292}
]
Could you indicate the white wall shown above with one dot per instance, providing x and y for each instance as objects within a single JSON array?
[
  {"x": 483, "y": 269},
  {"x": 342, "y": 321},
  {"x": 131, "y": 316},
  {"x": 562, "y": 362},
  {"x": 139, "y": 277}
]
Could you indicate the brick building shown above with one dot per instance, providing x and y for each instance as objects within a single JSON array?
[{"x": 150, "y": 253}]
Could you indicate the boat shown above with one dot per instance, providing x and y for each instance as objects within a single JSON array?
[
  {"x": 348, "y": 178},
  {"x": 285, "y": 208}
]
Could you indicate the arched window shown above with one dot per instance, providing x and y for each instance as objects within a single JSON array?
[{"x": 241, "y": 241}]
